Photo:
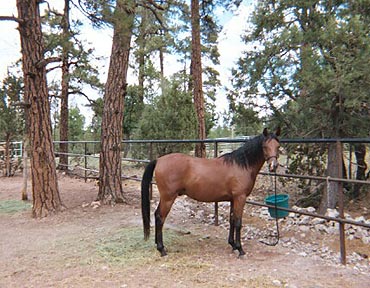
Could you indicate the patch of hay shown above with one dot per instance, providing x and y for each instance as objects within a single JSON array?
[
  {"x": 128, "y": 246},
  {"x": 14, "y": 206}
]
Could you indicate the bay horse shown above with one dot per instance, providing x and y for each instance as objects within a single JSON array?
[{"x": 230, "y": 177}]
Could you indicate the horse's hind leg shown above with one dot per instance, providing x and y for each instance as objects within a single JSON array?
[
  {"x": 160, "y": 216},
  {"x": 158, "y": 232}
]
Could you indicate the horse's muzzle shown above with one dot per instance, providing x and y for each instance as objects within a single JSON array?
[{"x": 273, "y": 164}]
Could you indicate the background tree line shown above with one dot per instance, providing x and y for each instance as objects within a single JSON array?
[{"x": 305, "y": 68}]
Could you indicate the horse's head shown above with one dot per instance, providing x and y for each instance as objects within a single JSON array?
[{"x": 270, "y": 146}]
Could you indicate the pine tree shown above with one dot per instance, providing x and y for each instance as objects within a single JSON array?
[
  {"x": 45, "y": 192},
  {"x": 171, "y": 116},
  {"x": 110, "y": 185},
  {"x": 308, "y": 68},
  {"x": 196, "y": 82},
  {"x": 11, "y": 117},
  {"x": 75, "y": 63}
]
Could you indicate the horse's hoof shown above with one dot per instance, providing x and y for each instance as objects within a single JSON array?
[
  {"x": 241, "y": 253},
  {"x": 233, "y": 247},
  {"x": 163, "y": 252},
  {"x": 241, "y": 256},
  {"x": 232, "y": 244}
]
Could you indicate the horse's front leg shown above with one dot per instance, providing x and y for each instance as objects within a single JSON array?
[
  {"x": 238, "y": 228},
  {"x": 237, "y": 216},
  {"x": 232, "y": 227}
]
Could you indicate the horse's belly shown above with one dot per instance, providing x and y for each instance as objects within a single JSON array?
[{"x": 208, "y": 195}]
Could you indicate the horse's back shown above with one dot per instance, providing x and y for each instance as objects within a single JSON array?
[{"x": 180, "y": 165}]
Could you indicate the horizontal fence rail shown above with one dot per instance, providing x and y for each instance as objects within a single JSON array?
[
  {"x": 232, "y": 140},
  {"x": 314, "y": 215}
]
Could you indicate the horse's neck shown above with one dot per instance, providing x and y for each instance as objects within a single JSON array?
[{"x": 255, "y": 169}]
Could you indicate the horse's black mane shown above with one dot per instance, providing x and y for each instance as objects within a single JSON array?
[{"x": 249, "y": 154}]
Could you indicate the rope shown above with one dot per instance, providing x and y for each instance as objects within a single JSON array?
[{"x": 277, "y": 235}]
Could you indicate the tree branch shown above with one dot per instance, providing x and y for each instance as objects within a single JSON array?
[
  {"x": 47, "y": 61},
  {"x": 157, "y": 6},
  {"x": 153, "y": 10},
  {"x": 24, "y": 105},
  {"x": 11, "y": 18},
  {"x": 53, "y": 68},
  {"x": 91, "y": 101}
]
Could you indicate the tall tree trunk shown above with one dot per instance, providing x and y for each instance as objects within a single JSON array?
[
  {"x": 161, "y": 65},
  {"x": 333, "y": 170},
  {"x": 25, "y": 169},
  {"x": 7, "y": 163},
  {"x": 45, "y": 192},
  {"x": 330, "y": 196},
  {"x": 26, "y": 141},
  {"x": 64, "y": 112},
  {"x": 141, "y": 61},
  {"x": 360, "y": 153},
  {"x": 110, "y": 185},
  {"x": 141, "y": 54},
  {"x": 196, "y": 77}
]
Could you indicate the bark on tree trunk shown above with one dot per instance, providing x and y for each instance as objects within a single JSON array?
[
  {"x": 26, "y": 144},
  {"x": 330, "y": 197},
  {"x": 141, "y": 55},
  {"x": 64, "y": 111},
  {"x": 161, "y": 65},
  {"x": 7, "y": 156},
  {"x": 333, "y": 170},
  {"x": 360, "y": 153},
  {"x": 45, "y": 192},
  {"x": 196, "y": 77},
  {"x": 110, "y": 185},
  {"x": 25, "y": 169}
]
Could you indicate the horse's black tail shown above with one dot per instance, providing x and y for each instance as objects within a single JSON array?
[{"x": 145, "y": 201}]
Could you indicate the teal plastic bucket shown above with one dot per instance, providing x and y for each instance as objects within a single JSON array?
[{"x": 282, "y": 200}]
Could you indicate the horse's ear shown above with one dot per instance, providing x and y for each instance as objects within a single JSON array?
[
  {"x": 278, "y": 131},
  {"x": 265, "y": 132}
]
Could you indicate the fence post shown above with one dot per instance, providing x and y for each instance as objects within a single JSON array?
[
  {"x": 150, "y": 159},
  {"x": 342, "y": 236},
  {"x": 350, "y": 162},
  {"x": 215, "y": 154},
  {"x": 85, "y": 156}
]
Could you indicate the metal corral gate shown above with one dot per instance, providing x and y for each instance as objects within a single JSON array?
[{"x": 215, "y": 144}]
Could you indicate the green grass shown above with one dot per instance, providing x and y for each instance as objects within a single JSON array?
[{"x": 14, "y": 206}]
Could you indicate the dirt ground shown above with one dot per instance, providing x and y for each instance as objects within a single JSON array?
[{"x": 102, "y": 246}]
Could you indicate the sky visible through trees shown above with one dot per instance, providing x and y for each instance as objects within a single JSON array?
[{"x": 230, "y": 47}]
